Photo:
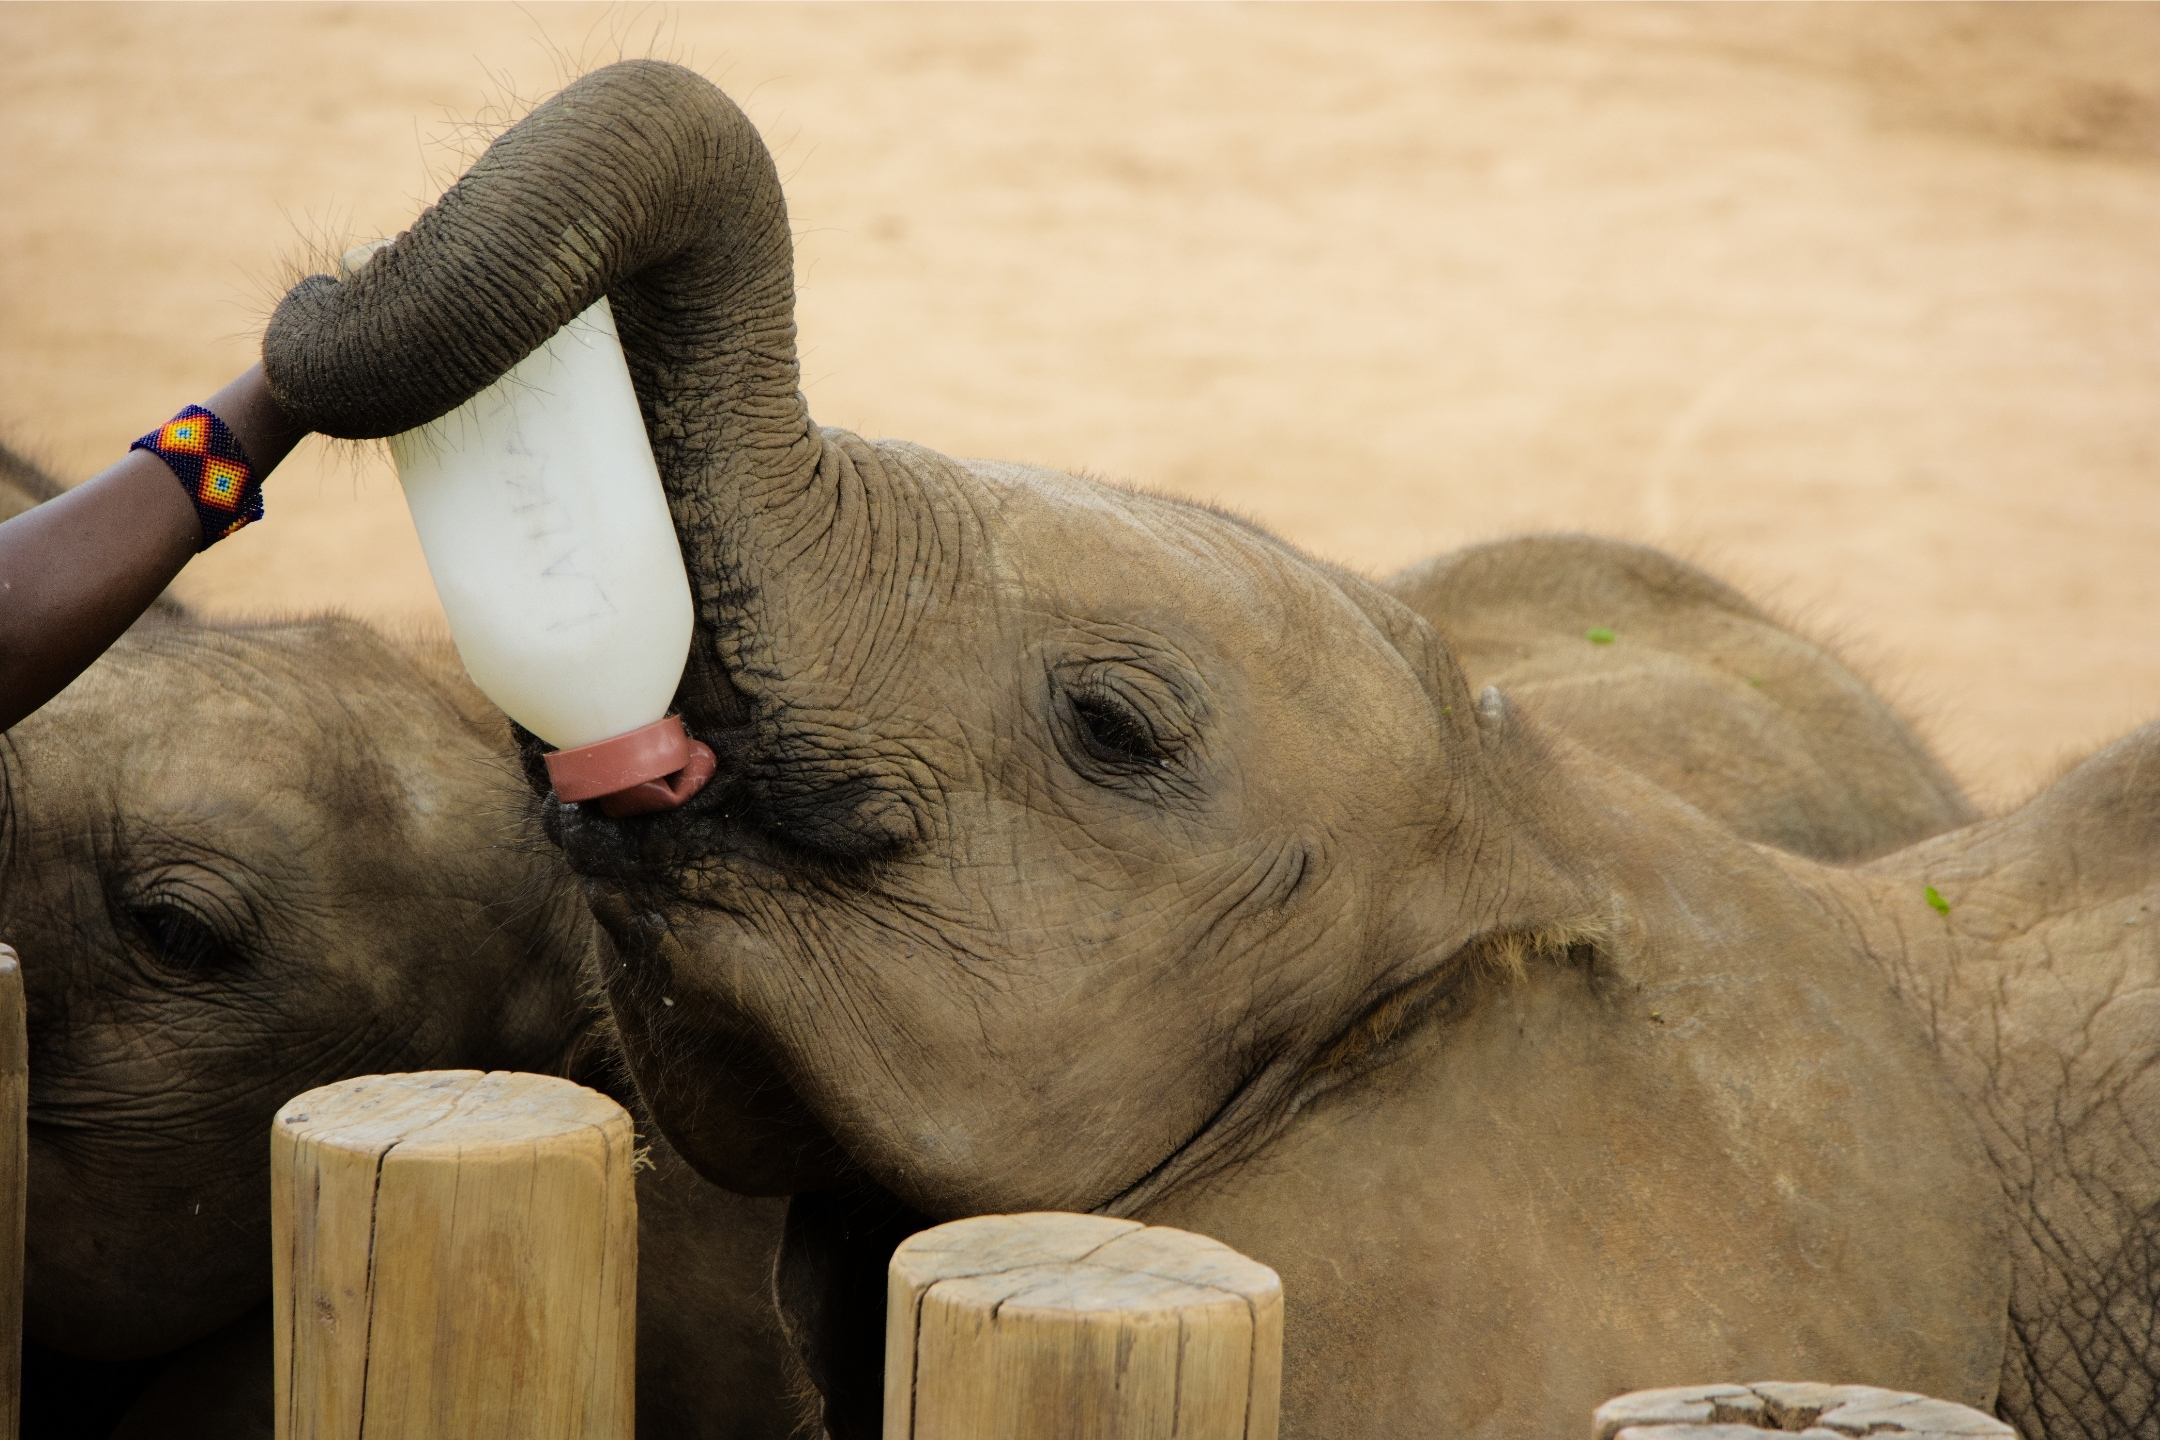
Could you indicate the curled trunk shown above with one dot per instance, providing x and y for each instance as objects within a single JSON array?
[{"x": 643, "y": 183}]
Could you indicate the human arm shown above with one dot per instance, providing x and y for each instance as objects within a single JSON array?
[{"x": 79, "y": 569}]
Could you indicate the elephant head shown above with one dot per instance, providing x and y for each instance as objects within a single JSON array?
[
  {"x": 239, "y": 862},
  {"x": 1079, "y": 847}
]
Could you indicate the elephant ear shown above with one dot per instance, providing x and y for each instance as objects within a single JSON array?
[
  {"x": 1504, "y": 774},
  {"x": 1486, "y": 724}
]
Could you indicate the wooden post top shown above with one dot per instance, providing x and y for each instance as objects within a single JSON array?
[
  {"x": 1081, "y": 1264},
  {"x": 1817, "y": 1412},
  {"x": 454, "y": 1255},
  {"x": 454, "y": 1111},
  {"x": 1079, "y": 1327}
]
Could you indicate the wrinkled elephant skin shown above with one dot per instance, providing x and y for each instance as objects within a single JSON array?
[{"x": 1077, "y": 847}]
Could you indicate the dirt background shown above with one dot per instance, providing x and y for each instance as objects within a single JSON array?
[{"x": 1858, "y": 305}]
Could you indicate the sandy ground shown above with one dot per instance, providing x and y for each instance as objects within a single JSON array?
[{"x": 1861, "y": 306}]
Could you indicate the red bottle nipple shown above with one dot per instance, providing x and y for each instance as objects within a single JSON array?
[{"x": 654, "y": 767}]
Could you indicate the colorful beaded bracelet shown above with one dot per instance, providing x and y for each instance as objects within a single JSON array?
[{"x": 204, "y": 453}]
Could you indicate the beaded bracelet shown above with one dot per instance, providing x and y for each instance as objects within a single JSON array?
[{"x": 204, "y": 453}]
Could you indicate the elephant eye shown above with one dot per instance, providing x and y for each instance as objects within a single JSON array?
[
  {"x": 1131, "y": 720},
  {"x": 1114, "y": 729},
  {"x": 177, "y": 935}
]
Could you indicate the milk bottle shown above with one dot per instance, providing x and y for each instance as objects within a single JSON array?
[{"x": 547, "y": 534}]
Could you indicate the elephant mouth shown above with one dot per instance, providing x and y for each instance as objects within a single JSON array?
[
  {"x": 731, "y": 1114},
  {"x": 830, "y": 1284},
  {"x": 642, "y": 852},
  {"x": 702, "y": 1069}
]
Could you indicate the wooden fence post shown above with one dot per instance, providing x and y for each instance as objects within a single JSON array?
[
  {"x": 455, "y": 1255},
  {"x": 1721, "y": 1412},
  {"x": 1079, "y": 1327},
  {"x": 14, "y": 1183}
]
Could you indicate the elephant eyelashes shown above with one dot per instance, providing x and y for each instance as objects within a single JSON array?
[
  {"x": 176, "y": 935},
  {"x": 1119, "y": 731},
  {"x": 1112, "y": 728}
]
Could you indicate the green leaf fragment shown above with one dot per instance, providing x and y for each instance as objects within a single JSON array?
[
  {"x": 1598, "y": 635},
  {"x": 1935, "y": 901}
]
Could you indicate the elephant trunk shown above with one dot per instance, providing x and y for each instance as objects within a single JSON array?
[{"x": 640, "y": 181}]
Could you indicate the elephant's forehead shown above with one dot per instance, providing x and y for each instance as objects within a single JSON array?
[
  {"x": 1279, "y": 641},
  {"x": 263, "y": 743},
  {"x": 1063, "y": 538}
]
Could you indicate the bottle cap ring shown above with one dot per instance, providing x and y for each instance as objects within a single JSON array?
[{"x": 654, "y": 767}]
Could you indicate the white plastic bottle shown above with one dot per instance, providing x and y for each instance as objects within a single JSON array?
[{"x": 547, "y": 533}]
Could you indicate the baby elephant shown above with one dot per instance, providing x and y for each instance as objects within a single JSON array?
[
  {"x": 1084, "y": 849},
  {"x": 240, "y": 861}
]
